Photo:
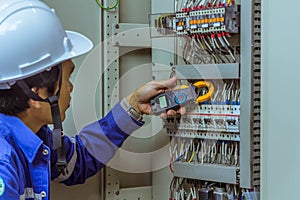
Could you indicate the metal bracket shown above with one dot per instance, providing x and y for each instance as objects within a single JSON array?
[
  {"x": 111, "y": 88},
  {"x": 209, "y": 172},
  {"x": 131, "y": 35},
  {"x": 138, "y": 193},
  {"x": 208, "y": 71}
]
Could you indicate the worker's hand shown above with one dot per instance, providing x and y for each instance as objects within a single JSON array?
[{"x": 140, "y": 99}]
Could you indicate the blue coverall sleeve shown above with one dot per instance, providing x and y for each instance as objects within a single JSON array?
[{"x": 94, "y": 146}]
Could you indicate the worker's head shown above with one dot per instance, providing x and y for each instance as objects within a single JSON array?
[{"x": 35, "y": 52}]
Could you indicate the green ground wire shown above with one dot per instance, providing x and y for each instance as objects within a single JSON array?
[{"x": 108, "y": 8}]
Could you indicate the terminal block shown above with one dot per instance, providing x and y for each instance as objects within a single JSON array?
[
  {"x": 208, "y": 20},
  {"x": 196, "y": 21}
]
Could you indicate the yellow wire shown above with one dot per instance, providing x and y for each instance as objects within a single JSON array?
[{"x": 192, "y": 157}]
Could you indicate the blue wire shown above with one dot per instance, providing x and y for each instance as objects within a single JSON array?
[{"x": 178, "y": 158}]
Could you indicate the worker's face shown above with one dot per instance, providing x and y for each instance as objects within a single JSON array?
[
  {"x": 66, "y": 88},
  {"x": 41, "y": 111}
]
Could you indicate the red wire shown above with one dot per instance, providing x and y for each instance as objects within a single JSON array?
[{"x": 170, "y": 166}]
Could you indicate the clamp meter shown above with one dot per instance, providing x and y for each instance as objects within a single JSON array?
[
  {"x": 176, "y": 98},
  {"x": 172, "y": 100}
]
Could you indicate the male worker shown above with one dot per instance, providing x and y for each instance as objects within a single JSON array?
[{"x": 35, "y": 67}]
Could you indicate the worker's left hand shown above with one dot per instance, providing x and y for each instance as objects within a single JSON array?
[{"x": 140, "y": 99}]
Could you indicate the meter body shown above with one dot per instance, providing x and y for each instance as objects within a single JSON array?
[{"x": 172, "y": 99}]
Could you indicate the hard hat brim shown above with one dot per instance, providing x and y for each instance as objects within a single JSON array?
[{"x": 81, "y": 44}]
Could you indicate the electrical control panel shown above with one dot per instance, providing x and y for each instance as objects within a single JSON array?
[
  {"x": 213, "y": 150},
  {"x": 214, "y": 147}
]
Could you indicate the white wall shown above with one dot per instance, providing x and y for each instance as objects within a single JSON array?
[
  {"x": 84, "y": 17},
  {"x": 280, "y": 100}
]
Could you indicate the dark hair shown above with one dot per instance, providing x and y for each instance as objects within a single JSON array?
[{"x": 14, "y": 101}]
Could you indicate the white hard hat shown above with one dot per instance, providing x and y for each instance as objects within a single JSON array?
[{"x": 32, "y": 40}]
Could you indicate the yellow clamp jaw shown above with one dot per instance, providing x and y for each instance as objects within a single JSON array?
[
  {"x": 176, "y": 98},
  {"x": 202, "y": 84}
]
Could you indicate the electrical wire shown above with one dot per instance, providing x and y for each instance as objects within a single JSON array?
[
  {"x": 107, "y": 8},
  {"x": 193, "y": 154},
  {"x": 197, "y": 2},
  {"x": 170, "y": 165},
  {"x": 190, "y": 5},
  {"x": 199, "y": 50},
  {"x": 181, "y": 6},
  {"x": 209, "y": 57},
  {"x": 215, "y": 50},
  {"x": 214, "y": 2},
  {"x": 210, "y": 50},
  {"x": 186, "y": 50},
  {"x": 172, "y": 187},
  {"x": 225, "y": 44}
]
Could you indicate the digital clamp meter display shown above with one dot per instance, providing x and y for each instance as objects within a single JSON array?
[{"x": 172, "y": 99}]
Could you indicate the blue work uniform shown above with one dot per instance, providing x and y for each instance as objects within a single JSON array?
[{"x": 27, "y": 159}]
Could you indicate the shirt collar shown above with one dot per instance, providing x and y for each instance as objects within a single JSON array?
[{"x": 27, "y": 140}]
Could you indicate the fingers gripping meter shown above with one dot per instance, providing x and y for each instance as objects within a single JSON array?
[
  {"x": 176, "y": 98},
  {"x": 172, "y": 100}
]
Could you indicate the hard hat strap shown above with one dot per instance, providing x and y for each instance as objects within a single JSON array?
[
  {"x": 57, "y": 134},
  {"x": 29, "y": 93}
]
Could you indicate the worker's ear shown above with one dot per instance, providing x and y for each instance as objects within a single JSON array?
[{"x": 41, "y": 92}]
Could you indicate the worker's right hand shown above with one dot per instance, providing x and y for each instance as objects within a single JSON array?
[{"x": 140, "y": 98}]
